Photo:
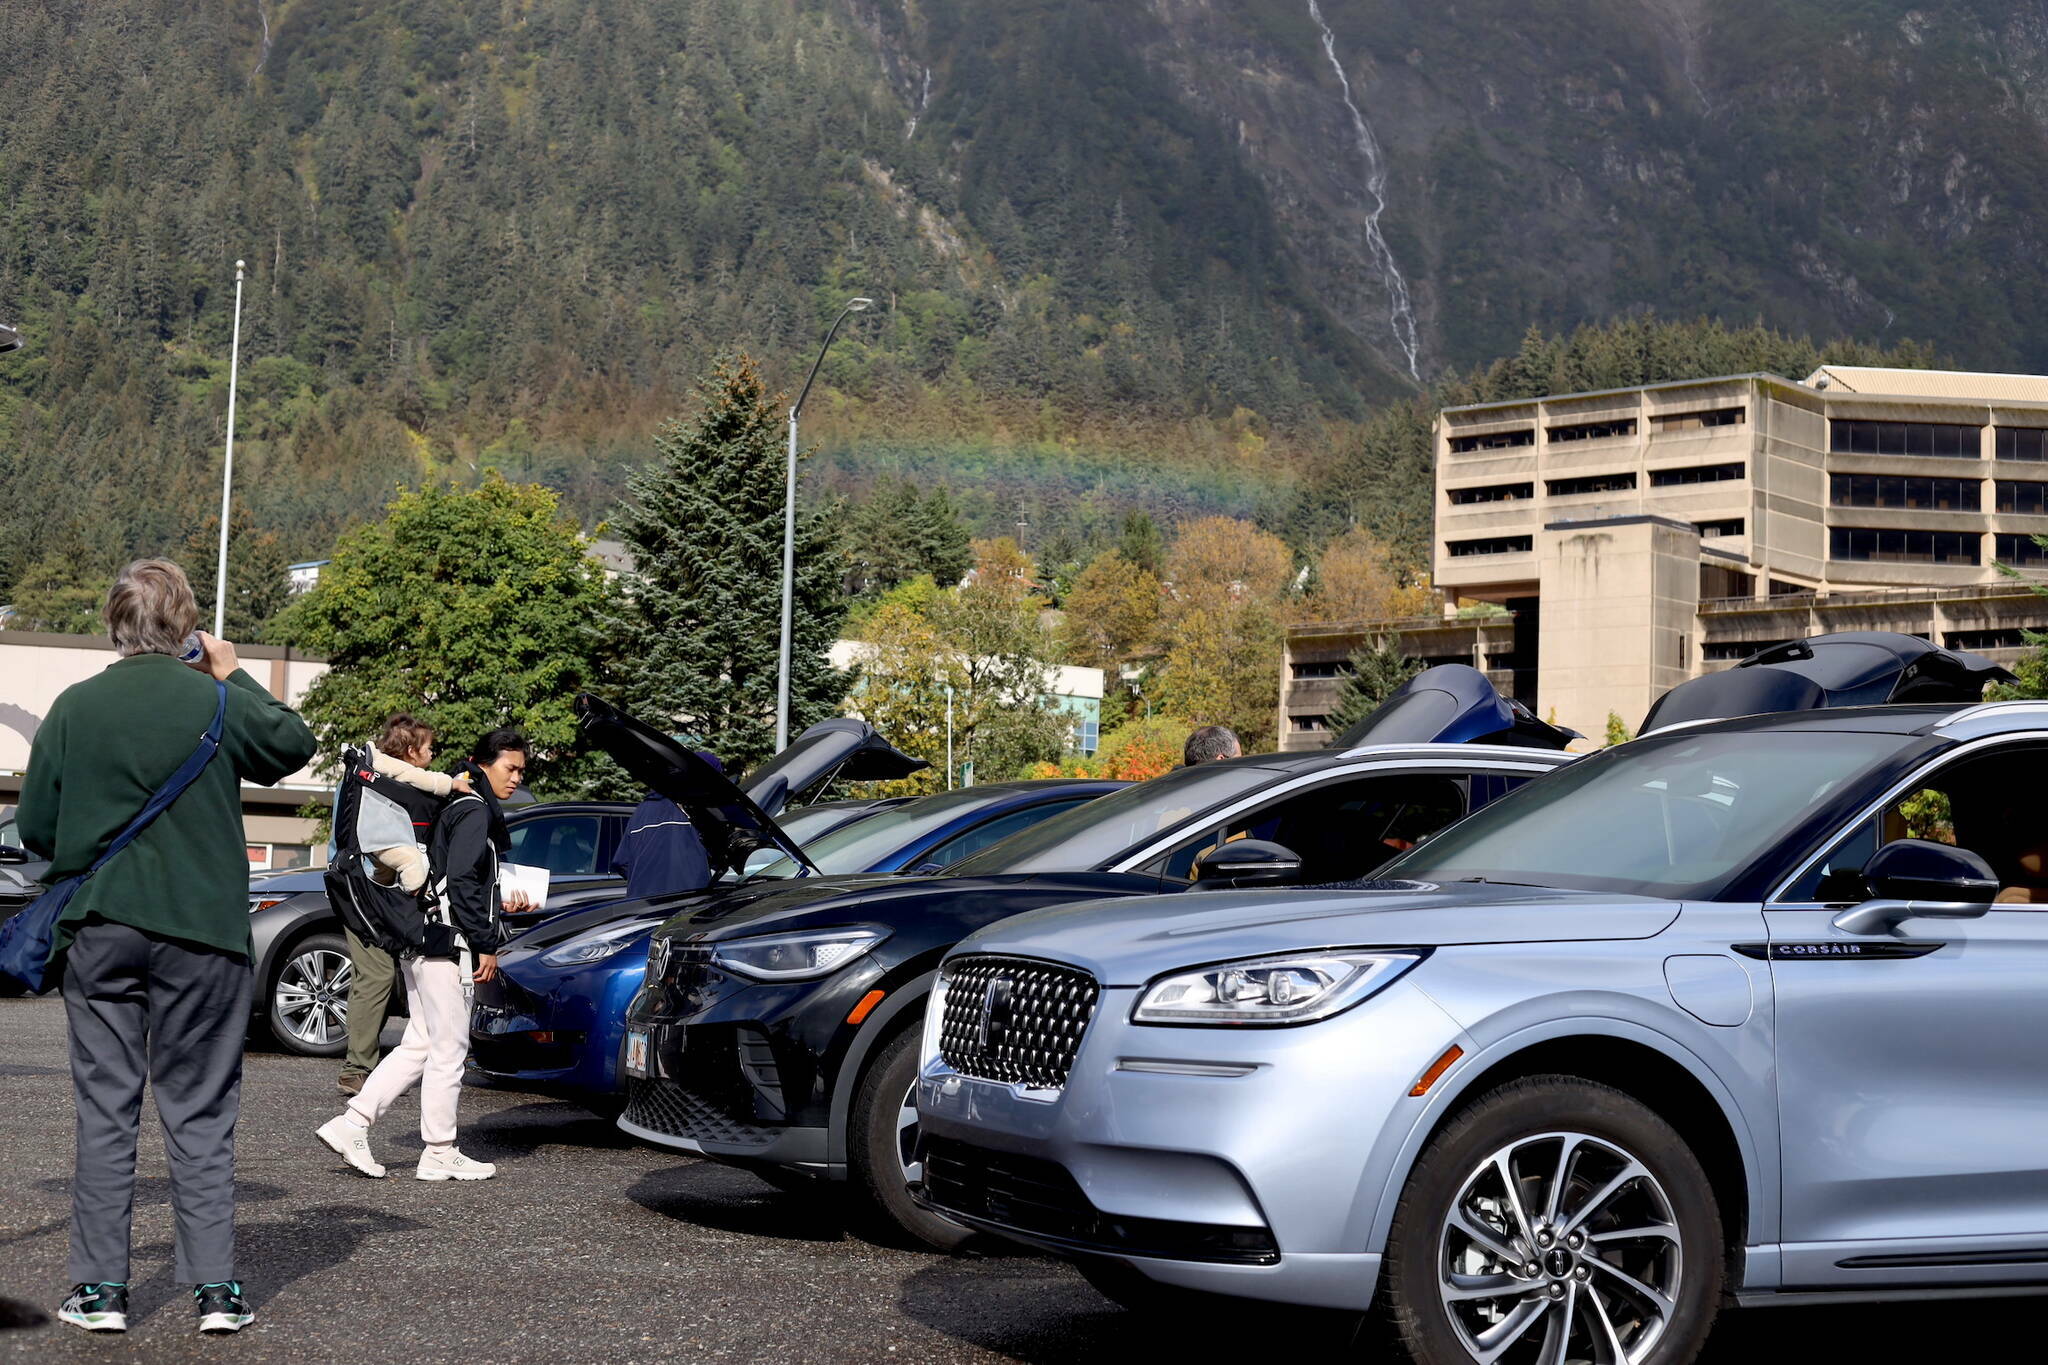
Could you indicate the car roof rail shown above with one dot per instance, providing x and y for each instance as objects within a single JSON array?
[{"x": 1993, "y": 718}]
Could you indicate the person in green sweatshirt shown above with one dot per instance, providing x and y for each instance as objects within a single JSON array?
[{"x": 153, "y": 950}]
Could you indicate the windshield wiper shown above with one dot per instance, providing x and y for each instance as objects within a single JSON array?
[{"x": 1495, "y": 881}]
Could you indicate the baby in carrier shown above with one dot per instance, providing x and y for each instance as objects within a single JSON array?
[{"x": 402, "y": 753}]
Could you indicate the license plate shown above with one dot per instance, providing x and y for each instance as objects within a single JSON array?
[{"x": 636, "y": 1055}]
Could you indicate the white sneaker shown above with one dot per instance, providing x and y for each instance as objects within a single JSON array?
[
  {"x": 446, "y": 1163},
  {"x": 351, "y": 1142}
]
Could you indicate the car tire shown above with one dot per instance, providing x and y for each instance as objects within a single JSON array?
[
  {"x": 1631, "y": 1250},
  {"x": 306, "y": 996},
  {"x": 877, "y": 1162}
]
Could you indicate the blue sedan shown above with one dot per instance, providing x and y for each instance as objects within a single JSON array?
[{"x": 553, "y": 1020}]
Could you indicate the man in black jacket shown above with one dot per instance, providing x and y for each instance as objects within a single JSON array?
[{"x": 462, "y": 919}]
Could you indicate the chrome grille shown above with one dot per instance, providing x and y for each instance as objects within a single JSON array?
[{"x": 1013, "y": 1019}]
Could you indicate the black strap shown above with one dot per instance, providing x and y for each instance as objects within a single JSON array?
[{"x": 188, "y": 772}]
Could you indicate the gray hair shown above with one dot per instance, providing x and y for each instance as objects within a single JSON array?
[
  {"x": 1210, "y": 743},
  {"x": 150, "y": 609}
]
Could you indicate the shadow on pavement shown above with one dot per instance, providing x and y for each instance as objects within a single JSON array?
[
  {"x": 723, "y": 1197},
  {"x": 520, "y": 1130},
  {"x": 15, "y": 1314},
  {"x": 156, "y": 1189},
  {"x": 1040, "y": 1311},
  {"x": 272, "y": 1255}
]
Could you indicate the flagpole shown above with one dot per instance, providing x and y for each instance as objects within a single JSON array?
[{"x": 227, "y": 475}]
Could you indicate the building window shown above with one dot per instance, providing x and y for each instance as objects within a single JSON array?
[
  {"x": 1332, "y": 668},
  {"x": 2014, "y": 549},
  {"x": 2022, "y": 443},
  {"x": 1493, "y": 440},
  {"x": 2015, "y": 638},
  {"x": 1947, "y": 439},
  {"x": 1780, "y": 588},
  {"x": 1495, "y": 545},
  {"x": 1907, "y": 494},
  {"x": 1906, "y": 547},
  {"x": 1591, "y": 483},
  {"x": 1304, "y": 725},
  {"x": 1594, "y": 431},
  {"x": 1693, "y": 421},
  {"x": 2025, "y": 499},
  {"x": 1493, "y": 492},
  {"x": 1698, "y": 473},
  {"x": 1090, "y": 737},
  {"x": 1728, "y": 651},
  {"x": 1717, "y": 582},
  {"x": 1731, "y": 526}
]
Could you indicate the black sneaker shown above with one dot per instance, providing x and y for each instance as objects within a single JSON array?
[
  {"x": 222, "y": 1307},
  {"x": 97, "y": 1307}
]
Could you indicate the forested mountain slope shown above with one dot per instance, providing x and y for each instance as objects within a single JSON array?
[{"x": 1163, "y": 253}]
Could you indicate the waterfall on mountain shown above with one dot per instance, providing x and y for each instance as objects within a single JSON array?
[{"x": 1401, "y": 312}]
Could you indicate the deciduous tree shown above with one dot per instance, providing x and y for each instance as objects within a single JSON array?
[{"x": 471, "y": 609}]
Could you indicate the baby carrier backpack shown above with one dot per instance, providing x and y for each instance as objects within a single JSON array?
[{"x": 373, "y": 813}]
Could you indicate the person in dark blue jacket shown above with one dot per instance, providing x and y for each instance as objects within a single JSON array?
[{"x": 661, "y": 852}]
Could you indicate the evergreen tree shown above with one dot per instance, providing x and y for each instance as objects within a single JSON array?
[
  {"x": 1378, "y": 669},
  {"x": 704, "y": 519},
  {"x": 258, "y": 572},
  {"x": 944, "y": 548},
  {"x": 1141, "y": 542},
  {"x": 56, "y": 594}
]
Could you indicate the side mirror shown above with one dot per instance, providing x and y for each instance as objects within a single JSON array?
[
  {"x": 1920, "y": 879},
  {"x": 1248, "y": 862},
  {"x": 927, "y": 869}
]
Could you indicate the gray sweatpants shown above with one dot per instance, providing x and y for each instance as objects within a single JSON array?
[{"x": 140, "y": 1005}]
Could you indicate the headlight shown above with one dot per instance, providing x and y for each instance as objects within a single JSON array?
[
  {"x": 265, "y": 901},
  {"x": 795, "y": 957},
  {"x": 596, "y": 945},
  {"x": 1272, "y": 990}
]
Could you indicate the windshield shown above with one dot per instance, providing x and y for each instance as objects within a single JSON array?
[
  {"x": 1089, "y": 836},
  {"x": 1671, "y": 816},
  {"x": 859, "y": 846}
]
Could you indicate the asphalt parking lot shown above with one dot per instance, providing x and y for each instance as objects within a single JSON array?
[{"x": 590, "y": 1248}]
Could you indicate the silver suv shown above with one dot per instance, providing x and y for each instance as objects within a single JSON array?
[{"x": 1750, "y": 1006}]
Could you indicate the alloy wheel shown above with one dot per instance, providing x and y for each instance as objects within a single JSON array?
[
  {"x": 906, "y": 1139},
  {"x": 312, "y": 995},
  {"x": 1560, "y": 1249}
]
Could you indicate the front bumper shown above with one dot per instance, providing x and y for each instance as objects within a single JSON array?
[
  {"x": 743, "y": 1071},
  {"x": 1248, "y": 1162},
  {"x": 551, "y": 1030}
]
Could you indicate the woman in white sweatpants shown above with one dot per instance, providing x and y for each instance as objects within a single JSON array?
[{"x": 436, "y": 1042}]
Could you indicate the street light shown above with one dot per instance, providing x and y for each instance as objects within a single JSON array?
[{"x": 789, "y": 527}]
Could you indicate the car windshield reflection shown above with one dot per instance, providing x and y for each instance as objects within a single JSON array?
[{"x": 1673, "y": 816}]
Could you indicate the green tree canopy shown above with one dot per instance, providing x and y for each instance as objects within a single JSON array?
[
  {"x": 471, "y": 609},
  {"x": 703, "y": 607}
]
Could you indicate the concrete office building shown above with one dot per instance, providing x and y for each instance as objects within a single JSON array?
[{"x": 1639, "y": 537}]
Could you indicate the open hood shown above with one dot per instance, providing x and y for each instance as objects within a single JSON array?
[
  {"x": 1453, "y": 704},
  {"x": 736, "y": 817},
  {"x": 841, "y": 748},
  {"x": 1850, "y": 668}
]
